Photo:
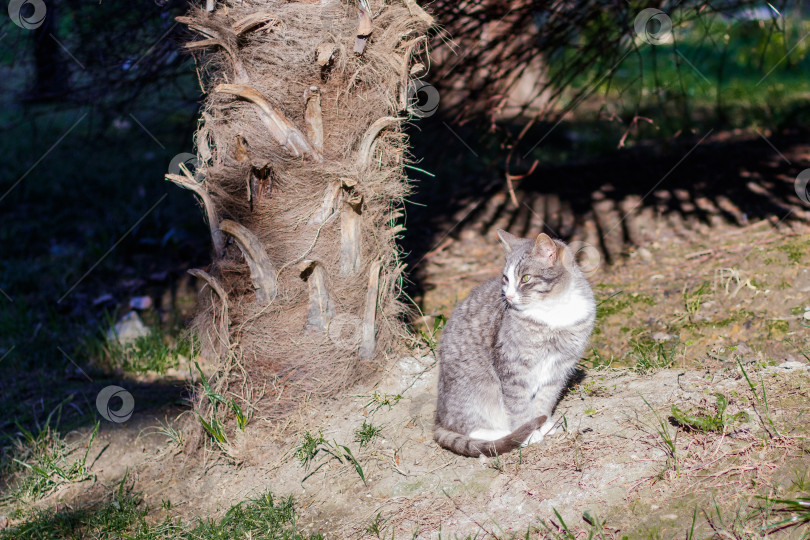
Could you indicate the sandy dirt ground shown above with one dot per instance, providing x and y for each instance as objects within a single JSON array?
[{"x": 680, "y": 321}]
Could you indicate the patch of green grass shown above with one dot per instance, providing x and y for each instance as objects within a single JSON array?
[
  {"x": 265, "y": 517},
  {"x": 145, "y": 354},
  {"x": 124, "y": 515},
  {"x": 366, "y": 433},
  {"x": 619, "y": 301},
  {"x": 155, "y": 352},
  {"x": 708, "y": 422},
  {"x": 615, "y": 303},
  {"x": 650, "y": 355},
  {"x": 598, "y": 361},
  {"x": 122, "y": 512},
  {"x": 737, "y": 316},
  {"x": 795, "y": 250},
  {"x": 44, "y": 460}
]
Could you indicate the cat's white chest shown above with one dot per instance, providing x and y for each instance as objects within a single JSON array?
[
  {"x": 561, "y": 311},
  {"x": 544, "y": 373}
]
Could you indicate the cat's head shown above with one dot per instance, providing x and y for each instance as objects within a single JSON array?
[{"x": 535, "y": 269}]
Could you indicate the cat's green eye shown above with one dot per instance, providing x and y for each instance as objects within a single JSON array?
[{"x": 526, "y": 278}]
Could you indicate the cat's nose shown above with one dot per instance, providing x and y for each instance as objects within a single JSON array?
[{"x": 510, "y": 298}]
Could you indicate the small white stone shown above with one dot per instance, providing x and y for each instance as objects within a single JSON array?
[{"x": 128, "y": 329}]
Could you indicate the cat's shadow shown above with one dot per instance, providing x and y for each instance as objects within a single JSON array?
[{"x": 576, "y": 378}]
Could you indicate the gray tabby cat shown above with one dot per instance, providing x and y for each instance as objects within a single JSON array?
[{"x": 509, "y": 348}]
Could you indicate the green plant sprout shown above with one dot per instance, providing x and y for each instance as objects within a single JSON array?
[
  {"x": 703, "y": 422},
  {"x": 762, "y": 401},
  {"x": 215, "y": 427},
  {"x": 312, "y": 446}
]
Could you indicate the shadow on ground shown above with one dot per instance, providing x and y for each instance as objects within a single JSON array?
[{"x": 611, "y": 199}]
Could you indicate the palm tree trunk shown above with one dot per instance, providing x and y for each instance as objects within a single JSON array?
[{"x": 300, "y": 164}]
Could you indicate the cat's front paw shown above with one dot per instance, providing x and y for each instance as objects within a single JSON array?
[{"x": 549, "y": 427}]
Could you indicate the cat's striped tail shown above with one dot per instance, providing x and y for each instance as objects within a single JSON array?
[{"x": 466, "y": 446}]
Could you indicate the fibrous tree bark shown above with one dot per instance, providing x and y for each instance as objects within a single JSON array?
[{"x": 300, "y": 169}]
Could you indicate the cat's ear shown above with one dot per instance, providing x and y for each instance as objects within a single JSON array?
[
  {"x": 508, "y": 240},
  {"x": 545, "y": 249}
]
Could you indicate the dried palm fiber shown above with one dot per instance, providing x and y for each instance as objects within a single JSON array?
[{"x": 300, "y": 169}]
